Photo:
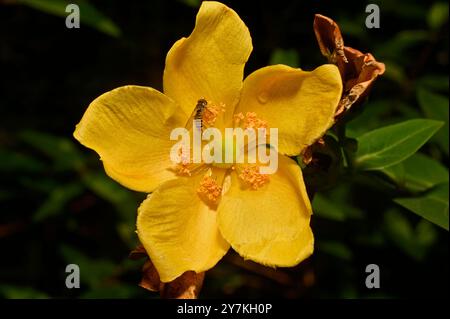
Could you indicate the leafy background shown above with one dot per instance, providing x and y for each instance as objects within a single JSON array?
[{"x": 387, "y": 206}]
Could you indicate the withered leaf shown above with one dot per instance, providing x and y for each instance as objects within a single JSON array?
[
  {"x": 330, "y": 40},
  {"x": 138, "y": 253},
  {"x": 187, "y": 286},
  {"x": 358, "y": 70},
  {"x": 150, "y": 277}
]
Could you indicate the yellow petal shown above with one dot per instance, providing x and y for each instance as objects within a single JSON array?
[
  {"x": 269, "y": 225},
  {"x": 300, "y": 104},
  {"x": 129, "y": 128},
  {"x": 178, "y": 231},
  {"x": 210, "y": 62}
]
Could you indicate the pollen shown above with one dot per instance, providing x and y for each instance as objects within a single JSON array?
[
  {"x": 238, "y": 118},
  {"x": 253, "y": 121},
  {"x": 249, "y": 120},
  {"x": 183, "y": 169},
  {"x": 209, "y": 189},
  {"x": 252, "y": 176},
  {"x": 212, "y": 111}
]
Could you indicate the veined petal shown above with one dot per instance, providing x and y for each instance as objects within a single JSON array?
[
  {"x": 300, "y": 104},
  {"x": 178, "y": 231},
  {"x": 210, "y": 62},
  {"x": 129, "y": 128},
  {"x": 269, "y": 225}
]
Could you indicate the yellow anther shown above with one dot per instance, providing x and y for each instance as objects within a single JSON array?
[
  {"x": 249, "y": 120},
  {"x": 209, "y": 190},
  {"x": 252, "y": 121},
  {"x": 252, "y": 176},
  {"x": 238, "y": 118},
  {"x": 212, "y": 111},
  {"x": 183, "y": 169}
]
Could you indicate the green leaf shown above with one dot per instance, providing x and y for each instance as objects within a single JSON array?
[
  {"x": 57, "y": 200},
  {"x": 406, "y": 10},
  {"x": 350, "y": 25},
  {"x": 434, "y": 82},
  {"x": 93, "y": 272},
  {"x": 335, "y": 206},
  {"x": 377, "y": 113},
  {"x": 17, "y": 162},
  {"x": 20, "y": 292},
  {"x": 373, "y": 113},
  {"x": 325, "y": 208},
  {"x": 124, "y": 201},
  {"x": 117, "y": 291},
  {"x": 435, "y": 106},
  {"x": 395, "y": 72},
  {"x": 392, "y": 144},
  {"x": 287, "y": 57},
  {"x": 89, "y": 15},
  {"x": 438, "y": 15},
  {"x": 191, "y": 3},
  {"x": 417, "y": 173},
  {"x": 335, "y": 249},
  {"x": 400, "y": 230},
  {"x": 401, "y": 42},
  {"x": 432, "y": 206},
  {"x": 61, "y": 150},
  {"x": 45, "y": 185},
  {"x": 109, "y": 190},
  {"x": 413, "y": 241}
]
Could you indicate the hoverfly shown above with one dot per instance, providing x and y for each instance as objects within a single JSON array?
[
  {"x": 196, "y": 118},
  {"x": 197, "y": 115},
  {"x": 195, "y": 122}
]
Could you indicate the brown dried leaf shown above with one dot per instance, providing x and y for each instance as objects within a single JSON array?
[
  {"x": 150, "y": 277},
  {"x": 358, "y": 70},
  {"x": 138, "y": 253},
  {"x": 187, "y": 286},
  {"x": 307, "y": 155},
  {"x": 308, "y": 152},
  {"x": 330, "y": 39},
  {"x": 360, "y": 76}
]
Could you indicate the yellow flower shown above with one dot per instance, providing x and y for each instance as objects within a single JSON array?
[{"x": 191, "y": 218}]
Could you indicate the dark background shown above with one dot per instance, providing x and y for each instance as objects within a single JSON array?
[{"x": 58, "y": 207}]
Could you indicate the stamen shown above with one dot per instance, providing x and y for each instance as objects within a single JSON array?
[
  {"x": 252, "y": 176},
  {"x": 238, "y": 118},
  {"x": 250, "y": 120},
  {"x": 182, "y": 168},
  {"x": 211, "y": 113},
  {"x": 209, "y": 189}
]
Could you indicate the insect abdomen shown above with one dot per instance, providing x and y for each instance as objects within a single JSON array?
[{"x": 201, "y": 104}]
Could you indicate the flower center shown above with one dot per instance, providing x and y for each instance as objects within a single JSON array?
[
  {"x": 227, "y": 148},
  {"x": 230, "y": 151}
]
